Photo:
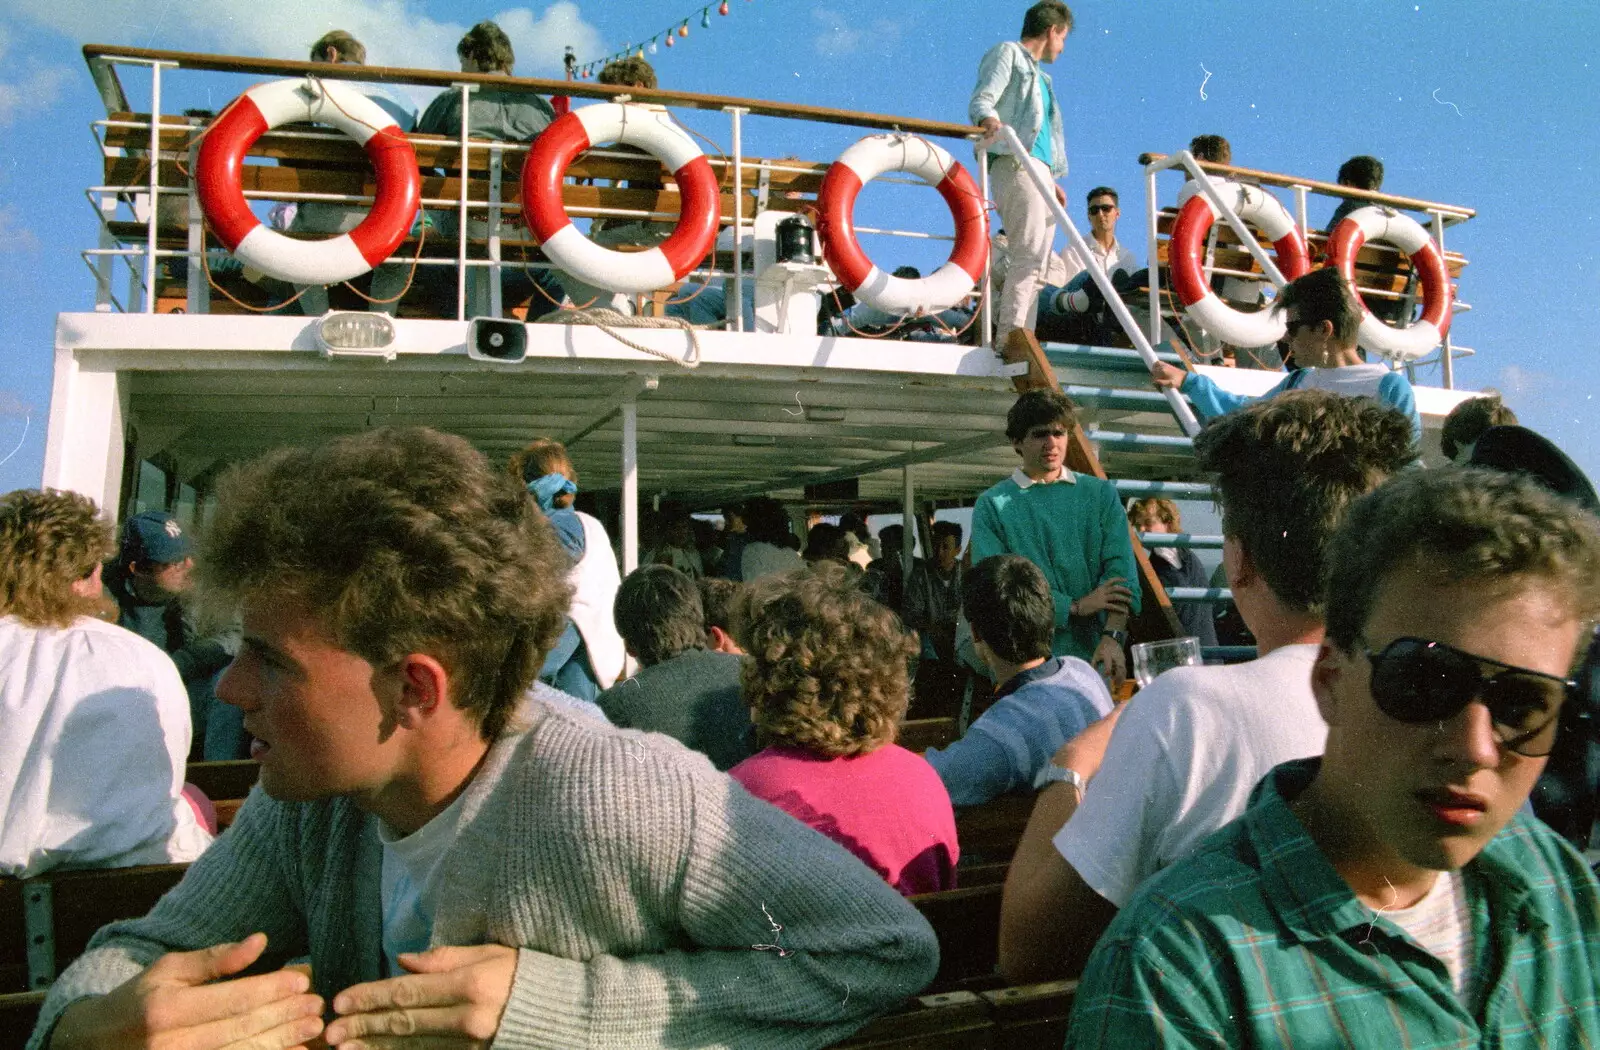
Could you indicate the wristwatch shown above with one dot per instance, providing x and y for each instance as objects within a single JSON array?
[
  {"x": 1054, "y": 774},
  {"x": 1120, "y": 637}
]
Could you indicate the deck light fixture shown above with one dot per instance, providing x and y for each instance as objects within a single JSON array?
[
  {"x": 824, "y": 414},
  {"x": 754, "y": 440},
  {"x": 348, "y": 333}
]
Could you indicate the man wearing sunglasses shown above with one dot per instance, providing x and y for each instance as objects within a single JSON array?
[
  {"x": 1393, "y": 893},
  {"x": 1321, "y": 317},
  {"x": 1076, "y": 311},
  {"x": 1193, "y": 743}
]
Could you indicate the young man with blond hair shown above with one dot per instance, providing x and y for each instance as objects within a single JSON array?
[{"x": 461, "y": 861}]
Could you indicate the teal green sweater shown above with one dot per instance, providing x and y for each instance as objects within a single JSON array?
[{"x": 1074, "y": 531}]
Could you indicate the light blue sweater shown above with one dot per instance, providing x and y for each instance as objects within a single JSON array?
[{"x": 1008, "y": 745}]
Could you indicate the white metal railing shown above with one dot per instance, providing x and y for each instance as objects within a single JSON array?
[
  {"x": 144, "y": 257},
  {"x": 1440, "y": 216},
  {"x": 1175, "y": 401}
]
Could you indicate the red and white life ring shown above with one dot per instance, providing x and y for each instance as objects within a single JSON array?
[
  {"x": 1188, "y": 249},
  {"x": 1374, "y": 223},
  {"x": 651, "y": 129},
  {"x": 218, "y": 173},
  {"x": 836, "y": 201}
]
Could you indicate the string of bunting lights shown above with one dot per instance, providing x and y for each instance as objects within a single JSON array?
[{"x": 678, "y": 30}]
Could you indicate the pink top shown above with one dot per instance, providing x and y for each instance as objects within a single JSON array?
[{"x": 887, "y": 807}]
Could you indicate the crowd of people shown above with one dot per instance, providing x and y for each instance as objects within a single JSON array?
[
  {"x": 477, "y": 814},
  {"x": 509, "y": 796}
]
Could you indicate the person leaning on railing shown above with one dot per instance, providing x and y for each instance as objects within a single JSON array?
[{"x": 1013, "y": 91}]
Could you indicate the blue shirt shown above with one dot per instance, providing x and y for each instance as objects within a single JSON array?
[
  {"x": 1043, "y": 143},
  {"x": 1039, "y": 710},
  {"x": 1363, "y": 380}
]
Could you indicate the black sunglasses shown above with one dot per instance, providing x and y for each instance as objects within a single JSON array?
[
  {"x": 1098, "y": 209},
  {"x": 1418, "y": 681}
]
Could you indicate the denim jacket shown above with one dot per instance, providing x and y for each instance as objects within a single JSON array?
[{"x": 1007, "y": 88}]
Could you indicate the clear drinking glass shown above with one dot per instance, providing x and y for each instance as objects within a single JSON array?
[{"x": 1151, "y": 658}]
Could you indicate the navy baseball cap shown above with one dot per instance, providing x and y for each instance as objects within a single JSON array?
[
  {"x": 154, "y": 536},
  {"x": 1522, "y": 451}
]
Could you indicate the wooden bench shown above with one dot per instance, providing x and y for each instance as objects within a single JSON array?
[
  {"x": 967, "y": 923},
  {"x": 1023, "y": 1017},
  {"x": 302, "y": 159},
  {"x": 1032, "y": 1016},
  {"x": 46, "y": 921},
  {"x": 230, "y": 779},
  {"x": 19, "y": 1012},
  {"x": 989, "y": 833},
  {"x": 948, "y": 1021},
  {"x": 919, "y": 734}
]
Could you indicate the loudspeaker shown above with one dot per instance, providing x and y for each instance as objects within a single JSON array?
[{"x": 493, "y": 339}]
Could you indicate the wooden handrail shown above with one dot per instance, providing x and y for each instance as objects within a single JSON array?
[
  {"x": 1272, "y": 178},
  {"x": 94, "y": 53}
]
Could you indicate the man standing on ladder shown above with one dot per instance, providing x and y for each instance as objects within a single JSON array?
[{"x": 1013, "y": 90}]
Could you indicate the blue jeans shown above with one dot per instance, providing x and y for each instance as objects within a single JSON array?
[{"x": 567, "y": 666}]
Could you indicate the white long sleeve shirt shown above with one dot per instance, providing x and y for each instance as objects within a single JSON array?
[{"x": 94, "y": 734}]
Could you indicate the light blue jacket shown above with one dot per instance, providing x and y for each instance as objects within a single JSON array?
[
  {"x": 1008, "y": 88},
  {"x": 1210, "y": 400}
]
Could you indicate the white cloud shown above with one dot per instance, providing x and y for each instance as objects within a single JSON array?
[
  {"x": 12, "y": 405},
  {"x": 35, "y": 91},
  {"x": 395, "y": 32},
  {"x": 14, "y": 237},
  {"x": 842, "y": 36},
  {"x": 1515, "y": 379}
]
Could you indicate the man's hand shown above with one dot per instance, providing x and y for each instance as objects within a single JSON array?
[
  {"x": 991, "y": 128},
  {"x": 1084, "y": 752},
  {"x": 1167, "y": 377},
  {"x": 453, "y": 997},
  {"x": 1061, "y": 195},
  {"x": 174, "y": 1004},
  {"x": 1111, "y": 596},
  {"x": 1111, "y": 664}
]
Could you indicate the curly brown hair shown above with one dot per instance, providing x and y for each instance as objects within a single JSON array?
[
  {"x": 632, "y": 71},
  {"x": 826, "y": 667},
  {"x": 1164, "y": 509},
  {"x": 49, "y": 540},
  {"x": 399, "y": 540}
]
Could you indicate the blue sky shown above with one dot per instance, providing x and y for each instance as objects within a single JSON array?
[{"x": 1493, "y": 106}]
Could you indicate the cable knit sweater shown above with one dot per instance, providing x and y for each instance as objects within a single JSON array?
[{"x": 638, "y": 884}]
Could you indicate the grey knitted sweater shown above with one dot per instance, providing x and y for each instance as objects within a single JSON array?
[{"x": 638, "y": 884}]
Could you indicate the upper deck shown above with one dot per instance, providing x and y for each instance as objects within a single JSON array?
[{"x": 177, "y": 364}]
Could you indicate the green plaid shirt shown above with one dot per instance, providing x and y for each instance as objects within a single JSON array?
[{"x": 1255, "y": 941}]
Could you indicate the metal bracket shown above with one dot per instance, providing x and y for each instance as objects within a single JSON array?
[
  {"x": 763, "y": 188},
  {"x": 38, "y": 921}
]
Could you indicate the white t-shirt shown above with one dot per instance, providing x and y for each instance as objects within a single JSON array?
[
  {"x": 1116, "y": 258},
  {"x": 1347, "y": 380},
  {"x": 94, "y": 734},
  {"x": 412, "y": 866},
  {"x": 1182, "y": 762},
  {"x": 1442, "y": 923},
  {"x": 595, "y": 580}
]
